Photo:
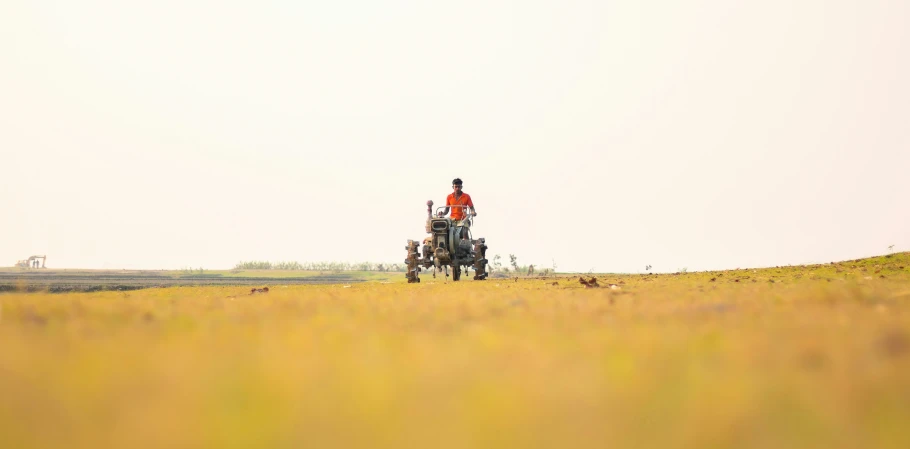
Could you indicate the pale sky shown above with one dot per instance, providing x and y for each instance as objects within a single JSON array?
[{"x": 604, "y": 135}]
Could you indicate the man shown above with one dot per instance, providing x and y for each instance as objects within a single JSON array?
[{"x": 462, "y": 201}]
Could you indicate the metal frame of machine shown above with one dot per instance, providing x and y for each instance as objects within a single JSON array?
[
  {"x": 28, "y": 263},
  {"x": 448, "y": 245}
]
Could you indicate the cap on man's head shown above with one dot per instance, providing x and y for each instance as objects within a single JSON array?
[{"x": 456, "y": 182}]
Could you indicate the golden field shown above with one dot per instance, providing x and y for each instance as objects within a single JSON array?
[{"x": 814, "y": 356}]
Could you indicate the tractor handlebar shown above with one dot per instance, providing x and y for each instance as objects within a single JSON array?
[{"x": 441, "y": 208}]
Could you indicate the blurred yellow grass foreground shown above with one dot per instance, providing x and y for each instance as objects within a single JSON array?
[{"x": 815, "y": 356}]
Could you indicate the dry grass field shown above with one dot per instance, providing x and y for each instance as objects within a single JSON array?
[{"x": 809, "y": 357}]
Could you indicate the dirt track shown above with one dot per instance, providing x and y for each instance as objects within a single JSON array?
[{"x": 52, "y": 281}]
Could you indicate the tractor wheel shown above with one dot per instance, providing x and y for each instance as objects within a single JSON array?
[
  {"x": 480, "y": 261},
  {"x": 411, "y": 262},
  {"x": 456, "y": 272}
]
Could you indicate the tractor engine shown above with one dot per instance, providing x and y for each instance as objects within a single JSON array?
[{"x": 446, "y": 246}]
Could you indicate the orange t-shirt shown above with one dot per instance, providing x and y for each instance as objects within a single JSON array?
[{"x": 458, "y": 213}]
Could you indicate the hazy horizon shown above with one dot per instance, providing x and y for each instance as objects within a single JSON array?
[{"x": 606, "y": 136}]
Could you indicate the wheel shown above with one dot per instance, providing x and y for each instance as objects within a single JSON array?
[
  {"x": 480, "y": 261},
  {"x": 456, "y": 272},
  {"x": 411, "y": 262}
]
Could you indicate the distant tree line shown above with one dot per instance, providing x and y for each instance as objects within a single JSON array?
[
  {"x": 320, "y": 266},
  {"x": 495, "y": 266},
  {"x": 516, "y": 269}
]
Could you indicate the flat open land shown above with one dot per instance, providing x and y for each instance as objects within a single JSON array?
[
  {"x": 57, "y": 281},
  {"x": 815, "y": 356}
]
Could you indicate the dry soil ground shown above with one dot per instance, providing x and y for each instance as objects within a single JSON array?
[{"x": 815, "y": 356}]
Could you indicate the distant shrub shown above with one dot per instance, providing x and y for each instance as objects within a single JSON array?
[
  {"x": 254, "y": 265},
  {"x": 319, "y": 266}
]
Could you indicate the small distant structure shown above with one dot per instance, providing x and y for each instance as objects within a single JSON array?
[{"x": 32, "y": 262}]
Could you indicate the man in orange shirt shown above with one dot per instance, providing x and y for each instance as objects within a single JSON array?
[{"x": 459, "y": 198}]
